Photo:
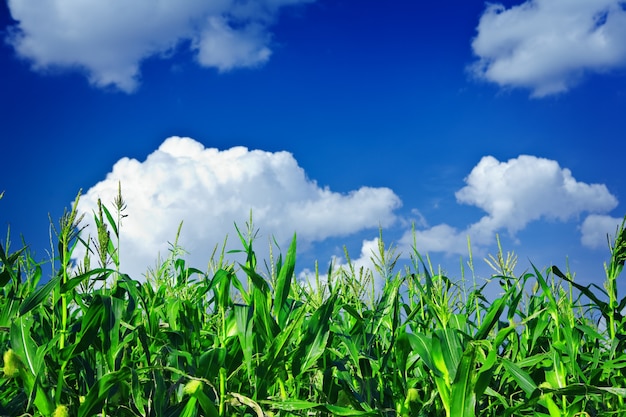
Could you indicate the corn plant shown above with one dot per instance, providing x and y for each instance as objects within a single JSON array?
[{"x": 241, "y": 339}]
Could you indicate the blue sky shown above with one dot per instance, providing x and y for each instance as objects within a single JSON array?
[{"x": 327, "y": 118}]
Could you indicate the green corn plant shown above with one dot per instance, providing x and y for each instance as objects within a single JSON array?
[
  {"x": 613, "y": 270},
  {"x": 233, "y": 340}
]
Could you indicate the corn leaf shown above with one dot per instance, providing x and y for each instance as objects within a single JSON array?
[
  {"x": 316, "y": 333},
  {"x": 104, "y": 388},
  {"x": 462, "y": 393},
  {"x": 520, "y": 376},
  {"x": 283, "y": 284},
  {"x": 36, "y": 298}
]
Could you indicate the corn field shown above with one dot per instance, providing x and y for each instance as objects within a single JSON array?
[{"x": 245, "y": 340}]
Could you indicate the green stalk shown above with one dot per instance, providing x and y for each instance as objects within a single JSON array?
[
  {"x": 63, "y": 302},
  {"x": 223, "y": 289},
  {"x": 68, "y": 231},
  {"x": 222, "y": 405},
  {"x": 69, "y": 225},
  {"x": 618, "y": 257},
  {"x": 120, "y": 206}
]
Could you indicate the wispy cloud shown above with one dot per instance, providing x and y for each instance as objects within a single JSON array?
[
  {"x": 109, "y": 39},
  {"x": 210, "y": 189},
  {"x": 513, "y": 194},
  {"x": 548, "y": 45}
]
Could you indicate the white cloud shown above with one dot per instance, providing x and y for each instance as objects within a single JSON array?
[
  {"x": 210, "y": 189},
  {"x": 439, "y": 238},
  {"x": 109, "y": 39},
  {"x": 222, "y": 47},
  {"x": 548, "y": 45},
  {"x": 528, "y": 188},
  {"x": 596, "y": 228},
  {"x": 513, "y": 194}
]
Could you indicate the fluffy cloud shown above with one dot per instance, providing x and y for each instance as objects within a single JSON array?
[
  {"x": 596, "y": 228},
  {"x": 109, "y": 39},
  {"x": 528, "y": 188},
  {"x": 547, "y": 45},
  {"x": 513, "y": 194},
  {"x": 210, "y": 189}
]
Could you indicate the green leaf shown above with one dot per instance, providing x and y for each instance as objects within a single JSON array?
[
  {"x": 520, "y": 376},
  {"x": 111, "y": 220},
  {"x": 283, "y": 284},
  {"x": 438, "y": 360},
  {"x": 9, "y": 306},
  {"x": 105, "y": 387},
  {"x": 72, "y": 283},
  {"x": 546, "y": 290},
  {"x": 266, "y": 327},
  {"x": 585, "y": 390},
  {"x": 190, "y": 408},
  {"x": 276, "y": 353},
  {"x": 451, "y": 351},
  {"x": 206, "y": 404},
  {"x": 344, "y": 411},
  {"x": 604, "y": 307},
  {"x": 316, "y": 335},
  {"x": 387, "y": 309},
  {"x": 32, "y": 356},
  {"x": 291, "y": 405},
  {"x": 462, "y": 395},
  {"x": 8, "y": 262},
  {"x": 245, "y": 322},
  {"x": 220, "y": 284},
  {"x": 493, "y": 315},
  {"x": 39, "y": 295},
  {"x": 257, "y": 280},
  {"x": 5, "y": 276},
  {"x": 90, "y": 326},
  {"x": 422, "y": 344},
  {"x": 23, "y": 343}
]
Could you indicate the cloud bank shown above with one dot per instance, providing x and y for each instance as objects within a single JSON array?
[
  {"x": 548, "y": 45},
  {"x": 211, "y": 189},
  {"x": 109, "y": 39},
  {"x": 513, "y": 194}
]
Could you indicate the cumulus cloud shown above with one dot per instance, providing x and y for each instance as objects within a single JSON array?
[
  {"x": 596, "y": 228},
  {"x": 513, "y": 194},
  {"x": 211, "y": 189},
  {"x": 109, "y": 39},
  {"x": 548, "y": 45},
  {"x": 528, "y": 188}
]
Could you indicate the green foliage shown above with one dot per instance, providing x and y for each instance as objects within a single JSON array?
[{"x": 236, "y": 341}]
